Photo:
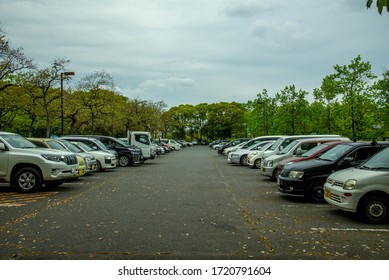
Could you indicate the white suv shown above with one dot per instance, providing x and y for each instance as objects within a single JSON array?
[
  {"x": 364, "y": 189},
  {"x": 27, "y": 167}
]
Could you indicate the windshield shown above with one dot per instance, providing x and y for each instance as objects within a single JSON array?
[
  {"x": 84, "y": 146},
  {"x": 334, "y": 153},
  {"x": 18, "y": 141},
  {"x": 122, "y": 143},
  {"x": 264, "y": 145},
  {"x": 379, "y": 161},
  {"x": 276, "y": 144},
  {"x": 73, "y": 148},
  {"x": 288, "y": 147},
  {"x": 314, "y": 150},
  {"x": 56, "y": 145}
]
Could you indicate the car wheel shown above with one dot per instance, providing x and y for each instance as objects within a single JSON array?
[
  {"x": 98, "y": 166},
  {"x": 316, "y": 191},
  {"x": 243, "y": 160},
  {"x": 274, "y": 175},
  {"x": 28, "y": 180},
  {"x": 257, "y": 163},
  {"x": 124, "y": 160},
  {"x": 374, "y": 209}
]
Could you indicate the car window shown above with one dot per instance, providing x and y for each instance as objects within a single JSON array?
[
  {"x": 306, "y": 147},
  {"x": 314, "y": 150},
  {"x": 361, "y": 154}
]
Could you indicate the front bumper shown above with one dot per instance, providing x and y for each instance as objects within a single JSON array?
[
  {"x": 334, "y": 195},
  {"x": 267, "y": 171},
  {"x": 291, "y": 186},
  {"x": 233, "y": 158},
  {"x": 61, "y": 171}
]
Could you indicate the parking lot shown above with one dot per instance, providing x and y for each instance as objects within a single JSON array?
[{"x": 189, "y": 204}]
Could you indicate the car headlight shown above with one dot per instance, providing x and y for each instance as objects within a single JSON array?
[
  {"x": 254, "y": 153},
  {"x": 269, "y": 163},
  {"x": 350, "y": 184},
  {"x": 52, "y": 157},
  {"x": 296, "y": 174}
]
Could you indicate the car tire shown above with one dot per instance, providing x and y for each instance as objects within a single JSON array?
[
  {"x": 316, "y": 191},
  {"x": 28, "y": 180},
  {"x": 374, "y": 209},
  {"x": 124, "y": 161},
  {"x": 243, "y": 160},
  {"x": 257, "y": 163},
  {"x": 98, "y": 167}
]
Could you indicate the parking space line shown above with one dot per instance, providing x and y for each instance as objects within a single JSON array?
[
  {"x": 15, "y": 199},
  {"x": 352, "y": 229}
]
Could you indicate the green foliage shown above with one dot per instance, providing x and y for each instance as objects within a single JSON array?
[{"x": 380, "y": 5}]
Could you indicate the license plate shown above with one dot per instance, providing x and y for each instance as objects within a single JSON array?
[
  {"x": 327, "y": 193},
  {"x": 278, "y": 181}
]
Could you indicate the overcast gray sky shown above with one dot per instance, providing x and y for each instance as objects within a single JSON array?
[{"x": 195, "y": 51}]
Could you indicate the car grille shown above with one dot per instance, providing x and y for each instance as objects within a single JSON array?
[
  {"x": 69, "y": 160},
  {"x": 335, "y": 183},
  {"x": 335, "y": 197}
]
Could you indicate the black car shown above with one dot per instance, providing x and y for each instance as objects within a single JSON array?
[
  {"x": 306, "y": 179},
  {"x": 128, "y": 154}
]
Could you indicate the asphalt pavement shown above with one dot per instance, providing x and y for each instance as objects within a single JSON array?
[{"x": 189, "y": 204}]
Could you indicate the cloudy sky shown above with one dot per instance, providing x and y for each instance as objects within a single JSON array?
[{"x": 194, "y": 51}]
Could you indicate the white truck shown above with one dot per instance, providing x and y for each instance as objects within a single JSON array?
[
  {"x": 144, "y": 141},
  {"x": 27, "y": 167}
]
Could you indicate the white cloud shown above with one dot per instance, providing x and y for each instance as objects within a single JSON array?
[{"x": 199, "y": 51}]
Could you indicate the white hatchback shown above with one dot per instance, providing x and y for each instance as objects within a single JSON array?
[{"x": 364, "y": 189}]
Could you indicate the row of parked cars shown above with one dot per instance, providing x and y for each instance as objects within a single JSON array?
[
  {"x": 30, "y": 163},
  {"x": 352, "y": 176}
]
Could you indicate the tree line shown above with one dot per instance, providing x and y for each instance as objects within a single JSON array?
[{"x": 351, "y": 101}]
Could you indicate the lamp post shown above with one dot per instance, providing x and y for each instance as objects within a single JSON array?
[{"x": 62, "y": 77}]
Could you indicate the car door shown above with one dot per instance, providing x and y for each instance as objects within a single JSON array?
[{"x": 4, "y": 156}]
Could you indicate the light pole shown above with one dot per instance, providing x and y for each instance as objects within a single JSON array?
[{"x": 62, "y": 77}]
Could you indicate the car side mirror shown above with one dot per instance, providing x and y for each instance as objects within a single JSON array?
[
  {"x": 347, "y": 160},
  {"x": 2, "y": 147},
  {"x": 298, "y": 152}
]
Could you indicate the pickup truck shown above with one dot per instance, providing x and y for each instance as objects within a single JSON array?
[{"x": 25, "y": 166}]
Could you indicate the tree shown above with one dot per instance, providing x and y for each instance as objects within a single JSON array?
[
  {"x": 291, "y": 117},
  {"x": 47, "y": 81},
  {"x": 12, "y": 61},
  {"x": 326, "y": 95},
  {"x": 380, "y": 5},
  {"x": 381, "y": 89},
  {"x": 352, "y": 81},
  {"x": 93, "y": 90}
]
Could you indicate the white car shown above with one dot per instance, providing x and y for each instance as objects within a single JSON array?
[
  {"x": 173, "y": 144},
  {"x": 104, "y": 160},
  {"x": 240, "y": 155},
  {"x": 363, "y": 190},
  {"x": 254, "y": 157},
  {"x": 233, "y": 148}
]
